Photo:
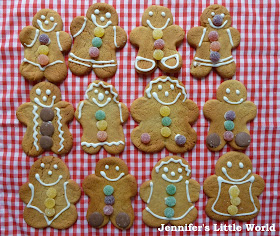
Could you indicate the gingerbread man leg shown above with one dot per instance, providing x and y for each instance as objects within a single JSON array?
[
  {"x": 172, "y": 61},
  {"x": 123, "y": 215},
  {"x": 36, "y": 219},
  {"x": 97, "y": 219},
  {"x": 90, "y": 149},
  {"x": 145, "y": 62},
  {"x": 226, "y": 71},
  {"x": 77, "y": 65},
  {"x": 199, "y": 71},
  {"x": 67, "y": 218},
  {"x": 114, "y": 149},
  {"x": 215, "y": 141},
  {"x": 241, "y": 141},
  {"x": 189, "y": 218},
  {"x": 213, "y": 215},
  {"x": 56, "y": 73},
  {"x": 148, "y": 218},
  {"x": 108, "y": 71},
  {"x": 31, "y": 72}
]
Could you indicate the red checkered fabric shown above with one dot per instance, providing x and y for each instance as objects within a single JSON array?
[{"x": 257, "y": 60}]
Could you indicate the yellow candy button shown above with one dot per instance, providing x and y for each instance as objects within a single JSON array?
[
  {"x": 51, "y": 193},
  {"x": 232, "y": 210},
  {"x": 158, "y": 54},
  {"x": 234, "y": 191},
  {"x": 164, "y": 111},
  {"x": 235, "y": 201},
  {"x": 157, "y": 34},
  {"x": 102, "y": 125},
  {"x": 49, "y": 203},
  {"x": 98, "y": 32},
  {"x": 43, "y": 49},
  {"x": 50, "y": 212},
  {"x": 165, "y": 132}
]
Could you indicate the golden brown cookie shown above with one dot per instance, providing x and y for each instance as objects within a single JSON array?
[
  {"x": 170, "y": 194},
  {"x": 50, "y": 195},
  {"x": 102, "y": 116},
  {"x": 233, "y": 191},
  {"x": 165, "y": 116},
  {"x": 213, "y": 41},
  {"x": 228, "y": 115},
  {"x": 97, "y": 36},
  {"x": 44, "y": 45},
  {"x": 110, "y": 191},
  {"x": 46, "y": 118},
  {"x": 157, "y": 40}
]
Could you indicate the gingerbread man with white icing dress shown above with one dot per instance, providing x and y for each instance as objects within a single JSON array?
[
  {"x": 102, "y": 116},
  {"x": 50, "y": 195},
  {"x": 170, "y": 194},
  {"x": 157, "y": 40},
  {"x": 214, "y": 40},
  {"x": 46, "y": 118},
  {"x": 233, "y": 191},
  {"x": 165, "y": 116},
  {"x": 44, "y": 45},
  {"x": 96, "y": 39},
  {"x": 110, "y": 191},
  {"x": 228, "y": 115}
]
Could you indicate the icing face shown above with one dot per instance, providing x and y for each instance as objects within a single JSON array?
[
  {"x": 166, "y": 91},
  {"x": 157, "y": 17},
  {"x": 48, "y": 21}
]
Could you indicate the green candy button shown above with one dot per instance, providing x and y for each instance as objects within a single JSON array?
[
  {"x": 96, "y": 42},
  {"x": 171, "y": 189},
  {"x": 170, "y": 201},
  {"x": 108, "y": 190},
  {"x": 229, "y": 125},
  {"x": 166, "y": 121},
  {"x": 100, "y": 115},
  {"x": 169, "y": 212}
]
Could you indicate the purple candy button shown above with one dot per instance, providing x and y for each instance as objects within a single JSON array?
[
  {"x": 44, "y": 39},
  {"x": 109, "y": 200},
  {"x": 229, "y": 115},
  {"x": 217, "y": 20},
  {"x": 108, "y": 210},
  {"x": 214, "y": 57},
  {"x": 180, "y": 140}
]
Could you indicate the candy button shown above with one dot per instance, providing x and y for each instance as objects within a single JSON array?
[
  {"x": 122, "y": 220},
  {"x": 165, "y": 132},
  {"x": 102, "y": 136},
  {"x": 98, "y": 32},
  {"x": 43, "y": 60},
  {"x": 157, "y": 34},
  {"x": 229, "y": 125},
  {"x": 109, "y": 200},
  {"x": 171, "y": 189},
  {"x": 47, "y": 114},
  {"x": 50, "y": 212},
  {"x": 95, "y": 219},
  {"x": 93, "y": 52},
  {"x": 96, "y": 42},
  {"x": 49, "y": 203},
  {"x": 213, "y": 140},
  {"x": 47, "y": 129},
  {"x": 213, "y": 36},
  {"x": 44, "y": 39},
  {"x": 46, "y": 142},
  {"x": 145, "y": 138},
  {"x": 235, "y": 201},
  {"x": 232, "y": 210},
  {"x": 102, "y": 125},
  {"x": 243, "y": 139},
  {"x": 43, "y": 49},
  {"x": 180, "y": 140},
  {"x": 170, "y": 201},
  {"x": 169, "y": 212},
  {"x": 229, "y": 115},
  {"x": 164, "y": 111},
  {"x": 166, "y": 121},
  {"x": 100, "y": 115},
  {"x": 217, "y": 20},
  {"x": 215, "y": 57},
  {"x": 108, "y": 210},
  {"x": 159, "y": 44},
  {"x": 51, "y": 192},
  {"x": 234, "y": 191},
  {"x": 215, "y": 46},
  {"x": 108, "y": 190},
  {"x": 158, "y": 54},
  {"x": 228, "y": 136}
]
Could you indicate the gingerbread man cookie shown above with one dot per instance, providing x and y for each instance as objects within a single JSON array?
[
  {"x": 46, "y": 118},
  {"x": 233, "y": 191},
  {"x": 50, "y": 195},
  {"x": 228, "y": 116},
  {"x": 44, "y": 45},
  {"x": 157, "y": 40},
  {"x": 165, "y": 116},
  {"x": 214, "y": 40},
  {"x": 170, "y": 194},
  {"x": 96, "y": 39},
  {"x": 102, "y": 116},
  {"x": 110, "y": 191}
]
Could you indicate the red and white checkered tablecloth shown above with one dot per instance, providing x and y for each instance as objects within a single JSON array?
[{"x": 257, "y": 60}]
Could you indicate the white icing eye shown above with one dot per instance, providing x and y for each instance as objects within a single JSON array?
[
  {"x": 159, "y": 87},
  {"x": 49, "y": 172},
  {"x": 106, "y": 92},
  {"x": 241, "y": 165},
  {"x": 227, "y": 90},
  {"x": 165, "y": 169},
  {"x": 102, "y": 18},
  {"x": 180, "y": 170},
  {"x": 43, "y": 17},
  {"x": 172, "y": 173},
  {"x": 172, "y": 86},
  {"x": 51, "y": 18},
  {"x": 96, "y": 11},
  {"x": 48, "y": 92},
  {"x": 237, "y": 92},
  {"x": 213, "y": 13},
  {"x": 223, "y": 15},
  {"x": 45, "y": 99},
  {"x": 95, "y": 91},
  {"x": 229, "y": 164},
  {"x": 106, "y": 167},
  {"x": 55, "y": 166},
  {"x": 38, "y": 91},
  {"x": 108, "y": 15},
  {"x": 163, "y": 14},
  {"x": 46, "y": 22},
  {"x": 42, "y": 165},
  {"x": 117, "y": 168},
  {"x": 151, "y": 13},
  {"x": 166, "y": 93}
]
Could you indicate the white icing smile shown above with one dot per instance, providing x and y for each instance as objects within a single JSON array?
[
  {"x": 43, "y": 29},
  {"x": 166, "y": 103},
  {"x": 216, "y": 27},
  {"x": 93, "y": 18},
  {"x": 226, "y": 174},
  {"x": 101, "y": 105},
  {"x": 163, "y": 27},
  {"x": 37, "y": 176},
  {"x": 170, "y": 180},
  {"x": 36, "y": 100},
  {"x": 230, "y": 102},
  {"x": 105, "y": 176}
]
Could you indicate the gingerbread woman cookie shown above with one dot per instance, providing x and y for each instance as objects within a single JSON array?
[
  {"x": 170, "y": 194},
  {"x": 233, "y": 191},
  {"x": 110, "y": 191},
  {"x": 157, "y": 40},
  {"x": 102, "y": 116},
  {"x": 96, "y": 39},
  {"x": 50, "y": 195},
  {"x": 46, "y": 118},
  {"x": 44, "y": 45},
  {"x": 165, "y": 116},
  {"x": 214, "y": 40},
  {"x": 228, "y": 116}
]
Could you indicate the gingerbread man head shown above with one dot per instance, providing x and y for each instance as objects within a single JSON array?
[{"x": 47, "y": 20}]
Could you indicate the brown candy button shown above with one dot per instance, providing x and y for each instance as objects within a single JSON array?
[
  {"x": 46, "y": 142},
  {"x": 213, "y": 140},
  {"x": 243, "y": 139},
  {"x": 47, "y": 114},
  {"x": 122, "y": 220},
  {"x": 95, "y": 219},
  {"x": 47, "y": 129}
]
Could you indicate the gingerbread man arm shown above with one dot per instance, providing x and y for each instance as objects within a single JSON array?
[
  {"x": 139, "y": 109},
  {"x": 130, "y": 182},
  {"x": 64, "y": 41},
  {"x": 194, "y": 189},
  {"x": 194, "y": 36},
  {"x": 175, "y": 33},
  {"x": 73, "y": 191},
  {"x": 235, "y": 35},
  {"x": 192, "y": 111},
  {"x": 210, "y": 186},
  {"x": 25, "y": 193},
  {"x": 249, "y": 110},
  {"x": 28, "y": 36},
  {"x": 91, "y": 183},
  {"x": 124, "y": 112},
  {"x": 120, "y": 37},
  {"x": 66, "y": 110},
  {"x": 135, "y": 35},
  {"x": 210, "y": 107},
  {"x": 79, "y": 110},
  {"x": 258, "y": 185},
  {"x": 77, "y": 25},
  {"x": 24, "y": 113},
  {"x": 145, "y": 190}
]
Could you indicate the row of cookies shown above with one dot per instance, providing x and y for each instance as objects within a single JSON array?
[
  {"x": 164, "y": 114},
  {"x": 97, "y": 36},
  {"x": 170, "y": 195}
]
